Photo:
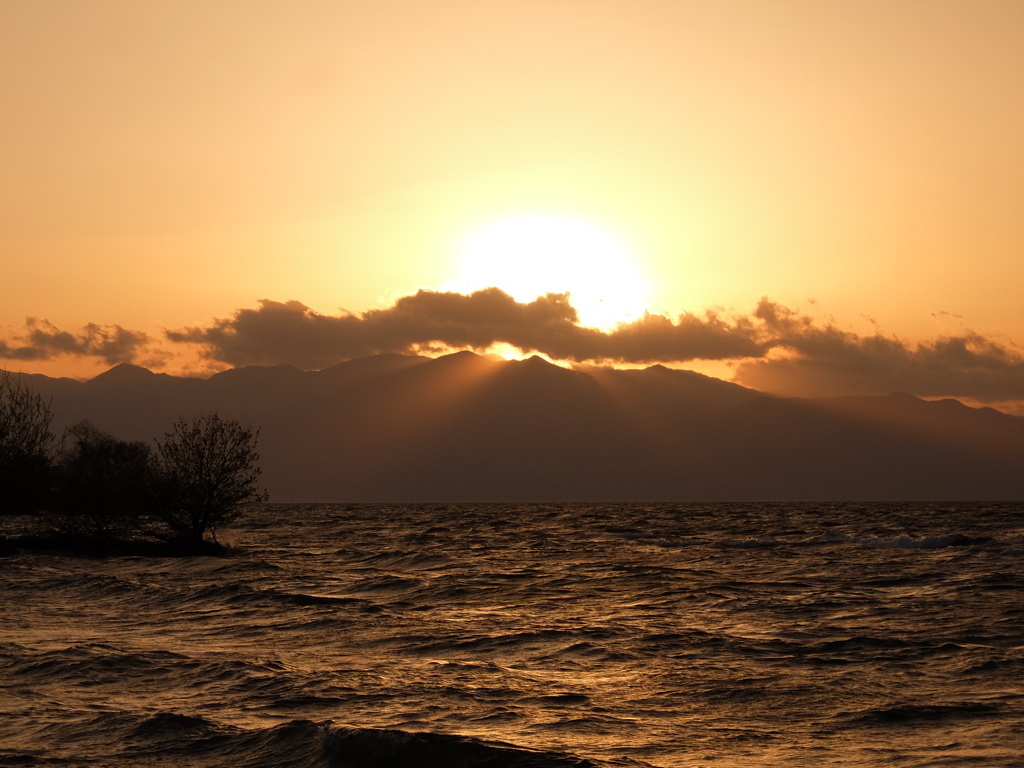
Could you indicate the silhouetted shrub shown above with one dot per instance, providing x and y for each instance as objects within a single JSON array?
[
  {"x": 103, "y": 485},
  {"x": 209, "y": 471},
  {"x": 26, "y": 447}
]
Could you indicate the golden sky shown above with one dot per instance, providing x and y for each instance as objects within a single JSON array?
[{"x": 812, "y": 172}]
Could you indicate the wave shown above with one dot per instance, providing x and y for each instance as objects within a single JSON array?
[
  {"x": 184, "y": 739},
  {"x": 924, "y": 713},
  {"x": 235, "y": 594},
  {"x": 373, "y": 748},
  {"x": 750, "y": 543},
  {"x": 572, "y": 641},
  {"x": 197, "y": 741},
  {"x": 93, "y": 664},
  {"x": 901, "y": 542}
]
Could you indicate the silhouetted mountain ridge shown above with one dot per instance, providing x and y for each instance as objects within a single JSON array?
[
  {"x": 125, "y": 373},
  {"x": 467, "y": 427}
]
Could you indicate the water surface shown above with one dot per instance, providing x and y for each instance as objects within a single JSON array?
[{"x": 531, "y": 635}]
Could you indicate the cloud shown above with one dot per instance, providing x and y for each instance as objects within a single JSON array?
[
  {"x": 42, "y": 340},
  {"x": 291, "y": 332},
  {"x": 775, "y": 348},
  {"x": 779, "y": 349},
  {"x": 819, "y": 359}
]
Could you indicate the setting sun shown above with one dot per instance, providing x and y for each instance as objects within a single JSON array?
[{"x": 530, "y": 255}]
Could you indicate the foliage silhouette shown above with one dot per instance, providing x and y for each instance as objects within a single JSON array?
[
  {"x": 27, "y": 447},
  {"x": 209, "y": 471},
  {"x": 103, "y": 485}
]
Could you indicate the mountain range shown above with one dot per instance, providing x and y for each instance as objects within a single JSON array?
[{"x": 463, "y": 427}]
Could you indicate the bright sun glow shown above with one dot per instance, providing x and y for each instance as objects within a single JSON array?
[{"x": 530, "y": 255}]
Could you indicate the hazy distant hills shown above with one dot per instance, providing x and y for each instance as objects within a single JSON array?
[{"x": 464, "y": 427}]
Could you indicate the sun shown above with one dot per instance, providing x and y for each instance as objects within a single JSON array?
[{"x": 533, "y": 254}]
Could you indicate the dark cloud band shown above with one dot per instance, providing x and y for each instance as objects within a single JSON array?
[
  {"x": 291, "y": 332},
  {"x": 777, "y": 349},
  {"x": 42, "y": 340}
]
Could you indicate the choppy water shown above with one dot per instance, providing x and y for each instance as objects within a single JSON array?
[{"x": 559, "y": 635}]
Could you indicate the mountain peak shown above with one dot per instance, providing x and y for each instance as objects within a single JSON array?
[
  {"x": 123, "y": 373},
  {"x": 534, "y": 361}
]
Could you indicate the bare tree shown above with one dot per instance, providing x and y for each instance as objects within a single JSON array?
[
  {"x": 26, "y": 446},
  {"x": 210, "y": 471}
]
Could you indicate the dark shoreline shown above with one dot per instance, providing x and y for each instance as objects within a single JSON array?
[{"x": 76, "y": 546}]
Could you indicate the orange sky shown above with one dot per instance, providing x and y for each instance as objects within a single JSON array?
[{"x": 168, "y": 164}]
